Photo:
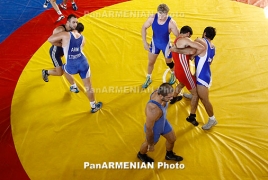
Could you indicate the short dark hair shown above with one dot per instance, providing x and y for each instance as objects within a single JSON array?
[
  {"x": 210, "y": 32},
  {"x": 79, "y": 27},
  {"x": 71, "y": 16},
  {"x": 186, "y": 29},
  {"x": 165, "y": 89}
]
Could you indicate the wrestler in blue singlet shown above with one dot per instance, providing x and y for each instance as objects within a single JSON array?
[
  {"x": 161, "y": 126},
  {"x": 160, "y": 40},
  {"x": 202, "y": 64},
  {"x": 76, "y": 62}
]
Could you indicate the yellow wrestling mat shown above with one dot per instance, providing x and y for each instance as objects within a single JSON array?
[{"x": 56, "y": 135}]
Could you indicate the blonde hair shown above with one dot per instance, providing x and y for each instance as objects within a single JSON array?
[{"x": 163, "y": 8}]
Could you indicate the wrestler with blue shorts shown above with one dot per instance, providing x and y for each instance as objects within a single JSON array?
[
  {"x": 157, "y": 124},
  {"x": 162, "y": 25},
  {"x": 76, "y": 62},
  {"x": 203, "y": 73}
]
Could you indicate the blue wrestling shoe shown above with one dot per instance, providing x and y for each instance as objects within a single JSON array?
[
  {"x": 172, "y": 79},
  {"x": 74, "y": 6},
  {"x": 97, "y": 107},
  {"x": 74, "y": 89},
  {"x": 147, "y": 82},
  {"x": 46, "y": 3}
]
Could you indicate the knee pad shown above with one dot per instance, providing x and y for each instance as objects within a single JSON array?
[{"x": 170, "y": 65}]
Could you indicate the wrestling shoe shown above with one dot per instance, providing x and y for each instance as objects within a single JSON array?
[
  {"x": 210, "y": 123},
  {"x": 45, "y": 75},
  {"x": 46, "y": 3},
  {"x": 147, "y": 82},
  {"x": 74, "y": 89},
  {"x": 63, "y": 6},
  {"x": 192, "y": 120},
  {"x": 172, "y": 79},
  {"x": 74, "y": 6},
  {"x": 145, "y": 158},
  {"x": 175, "y": 99},
  {"x": 187, "y": 95},
  {"x": 172, "y": 156},
  {"x": 97, "y": 107},
  {"x": 60, "y": 18}
]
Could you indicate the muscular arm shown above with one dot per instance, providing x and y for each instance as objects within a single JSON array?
[
  {"x": 144, "y": 28},
  {"x": 83, "y": 43},
  {"x": 199, "y": 47},
  {"x": 59, "y": 37},
  {"x": 203, "y": 43},
  {"x": 174, "y": 28},
  {"x": 211, "y": 59},
  {"x": 187, "y": 46},
  {"x": 186, "y": 51},
  {"x": 153, "y": 113},
  {"x": 57, "y": 30}
]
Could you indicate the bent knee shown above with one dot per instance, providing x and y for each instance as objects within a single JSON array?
[
  {"x": 59, "y": 71},
  {"x": 172, "y": 139}
]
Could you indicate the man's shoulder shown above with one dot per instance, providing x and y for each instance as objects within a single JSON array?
[
  {"x": 151, "y": 17},
  {"x": 153, "y": 105},
  {"x": 172, "y": 21},
  {"x": 212, "y": 45},
  {"x": 153, "y": 109},
  {"x": 59, "y": 29}
]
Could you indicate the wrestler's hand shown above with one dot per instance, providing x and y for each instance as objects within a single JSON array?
[
  {"x": 146, "y": 46},
  {"x": 172, "y": 49},
  {"x": 192, "y": 57},
  {"x": 150, "y": 148}
]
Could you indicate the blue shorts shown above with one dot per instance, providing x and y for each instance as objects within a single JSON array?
[
  {"x": 167, "y": 129},
  {"x": 80, "y": 67},
  {"x": 203, "y": 73},
  {"x": 56, "y": 53},
  {"x": 204, "y": 82},
  {"x": 156, "y": 48}
]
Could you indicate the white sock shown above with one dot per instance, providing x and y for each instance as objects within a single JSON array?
[
  {"x": 212, "y": 118},
  {"x": 59, "y": 12},
  {"x": 172, "y": 72},
  {"x": 92, "y": 104},
  {"x": 150, "y": 75},
  {"x": 74, "y": 85}
]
